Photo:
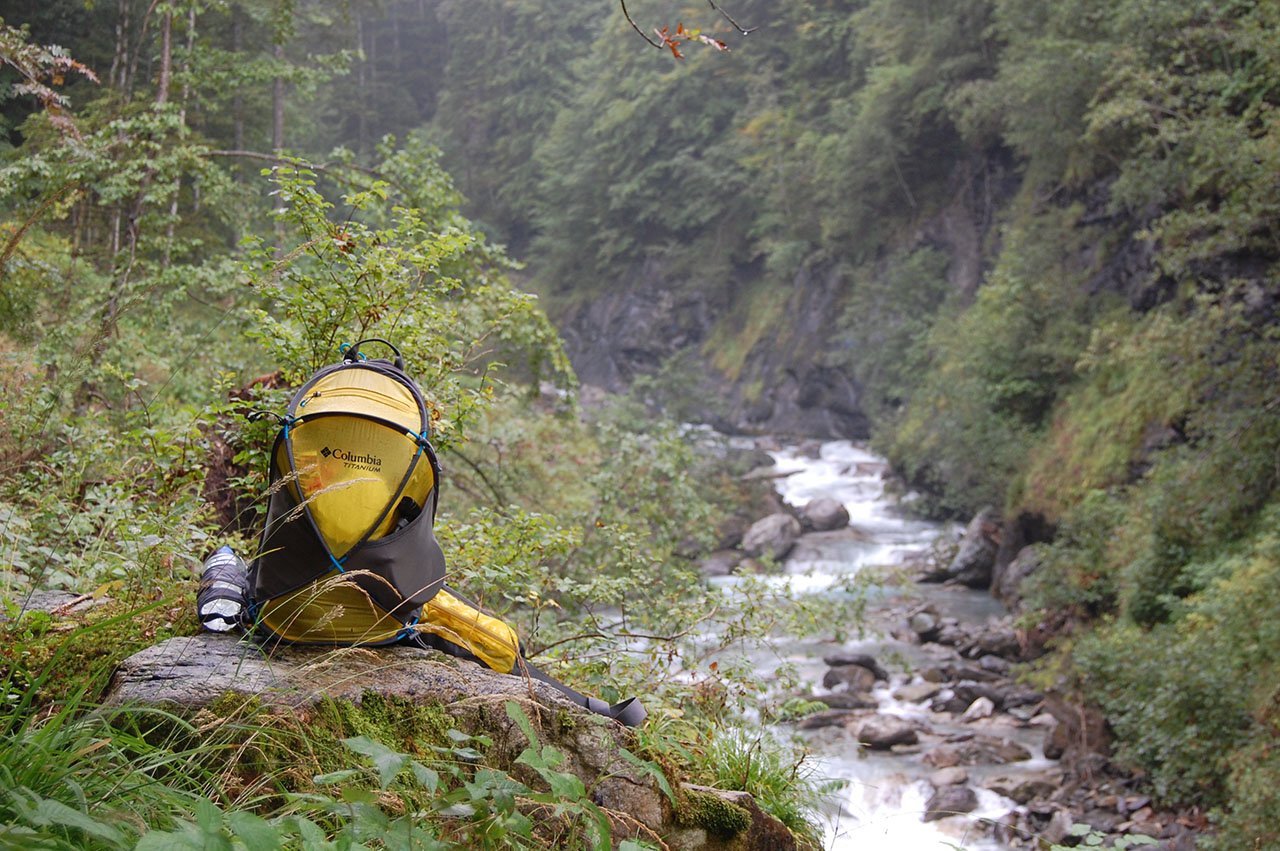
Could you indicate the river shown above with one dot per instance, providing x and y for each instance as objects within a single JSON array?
[{"x": 884, "y": 794}]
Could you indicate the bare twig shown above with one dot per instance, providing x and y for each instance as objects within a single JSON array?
[
  {"x": 737, "y": 26},
  {"x": 635, "y": 26}
]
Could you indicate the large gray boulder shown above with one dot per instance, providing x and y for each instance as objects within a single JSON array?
[
  {"x": 882, "y": 732},
  {"x": 772, "y": 536},
  {"x": 824, "y": 514},
  {"x": 976, "y": 559},
  {"x": 949, "y": 801},
  {"x": 188, "y": 674},
  {"x": 1007, "y": 582}
]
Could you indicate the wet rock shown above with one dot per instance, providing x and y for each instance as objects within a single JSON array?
[
  {"x": 1007, "y": 581},
  {"x": 847, "y": 700},
  {"x": 994, "y": 664},
  {"x": 925, "y": 623},
  {"x": 935, "y": 675},
  {"x": 824, "y": 514},
  {"x": 1009, "y": 828},
  {"x": 975, "y": 673},
  {"x": 1058, "y": 828},
  {"x": 720, "y": 563},
  {"x": 854, "y": 678},
  {"x": 882, "y": 732},
  {"x": 1103, "y": 820},
  {"x": 980, "y": 708},
  {"x": 826, "y": 718},
  {"x": 917, "y": 692},
  {"x": 772, "y": 536},
  {"x": 953, "y": 776},
  {"x": 949, "y": 801},
  {"x": 980, "y": 750},
  {"x": 976, "y": 558},
  {"x": 1025, "y": 789},
  {"x": 969, "y": 692},
  {"x": 869, "y": 662}
]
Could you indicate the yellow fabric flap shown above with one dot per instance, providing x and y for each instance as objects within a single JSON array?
[
  {"x": 333, "y": 610},
  {"x": 488, "y": 638}
]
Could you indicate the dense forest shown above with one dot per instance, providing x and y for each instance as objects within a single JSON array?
[{"x": 1027, "y": 248}]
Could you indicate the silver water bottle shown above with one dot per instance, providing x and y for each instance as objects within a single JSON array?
[{"x": 224, "y": 591}]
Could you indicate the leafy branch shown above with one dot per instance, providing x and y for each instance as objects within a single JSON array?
[{"x": 665, "y": 39}]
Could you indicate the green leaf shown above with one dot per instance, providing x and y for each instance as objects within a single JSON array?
[
  {"x": 388, "y": 763},
  {"x": 427, "y": 778},
  {"x": 335, "y": 776},
  {"x": 255, "y": 832}
]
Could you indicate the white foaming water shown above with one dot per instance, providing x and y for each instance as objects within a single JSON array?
[{"x": 882, "y": 804}]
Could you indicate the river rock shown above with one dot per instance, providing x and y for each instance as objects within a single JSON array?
[
  {"x": 772, "y": 536},
  {"x": 824, "y": 514},
  {"x": 1026, "y": 788},
  {"x": 882, "y": 732},
  {"x": 970, "y": 691},
  {"x": 1058, "y": 828},
  {"x": 976, "y": 558},
  {"x": 953, "y": 776},
  {"x": 720, "y": 563},
  {"x": 869, "y": 662},
  {"x": 980, "y": 750},
  {"x": 854, "y": 678},
  {"x": 1007, "y": 581},
  {"x": 925, "y": 623},
  {"x": 980, "y": 708},
  {"x": 949, "y": 801},
  {"x": 847, "y": 700},
  {"x": 994, "y": 664},
  {"x": 917, "y": 692},
  {"x": 826, "y": 718}
]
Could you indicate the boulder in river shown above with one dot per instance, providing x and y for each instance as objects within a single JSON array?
[
  {"x": 953, "y": 776},
  {"x": 720, "y": 563},
  {"x": 980, "y": 708},
  {"x": 847, "y": 700},
  {"x": 949, "y": 801},
  {"x": 865, "y": 660},
  {"x": 1007, "y": 582},
  {"x": 772, "y": 536},
  {"x": 826, "y": 718},
  {"x": 882, "y": 732},
  {"x": 925, "y": 623},
  {"x": 979, "y": 750},
  {"x": 976, "y": 559},
  {"x": 824, "y": 514},
  {"x": 853, "y": 678},
  {"x": 917, "y": 692}
]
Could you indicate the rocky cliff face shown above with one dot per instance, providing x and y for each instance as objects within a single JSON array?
[
  {"x": 789, "y": 381},
  {"x": 794, "y": 375}
]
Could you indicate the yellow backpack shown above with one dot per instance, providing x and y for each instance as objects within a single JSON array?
[{"x": 349, "y": 554}]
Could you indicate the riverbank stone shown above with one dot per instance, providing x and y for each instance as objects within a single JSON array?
[
  {"x": 853, "y": 678},
  {"x": 882, "y": 732},
  {"x": 949, "y": 801},
  {"x": 824, "y": 514},
  {"x": 867, "y": 661},
  {"x": 975, "y": 560},
  {"x": 772, "y": 536}
]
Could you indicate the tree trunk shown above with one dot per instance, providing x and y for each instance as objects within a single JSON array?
[
  {"x": 166, "y": 59},
  {"x": 277, "y": 105},
  {"x": 237, "y": 102}
]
